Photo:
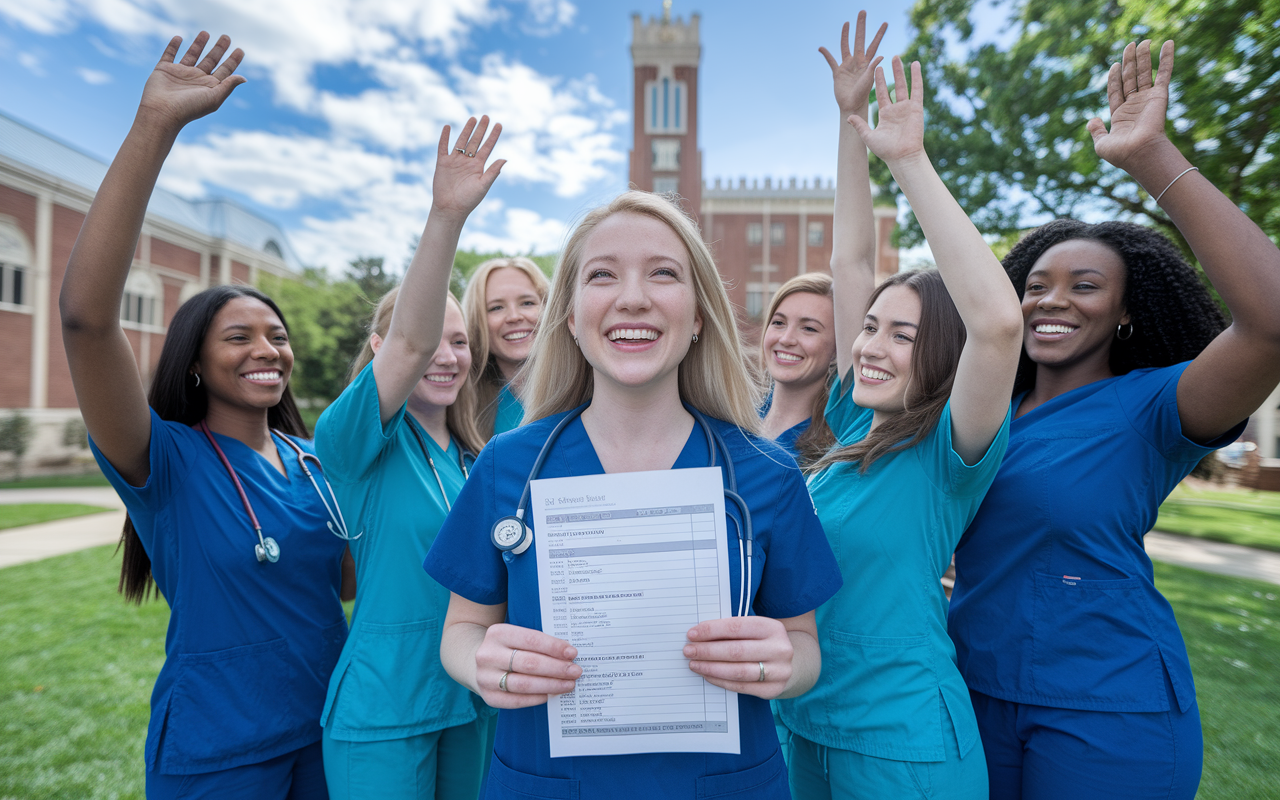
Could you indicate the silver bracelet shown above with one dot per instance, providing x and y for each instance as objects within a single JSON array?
[{"x": 1175, "y": 180}]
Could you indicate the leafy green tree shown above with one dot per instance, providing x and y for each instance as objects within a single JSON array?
[
  {"x": 1006, "y": 123},
  {"x": 15, "y": 436},
  {"x": 372, "y": 277}
]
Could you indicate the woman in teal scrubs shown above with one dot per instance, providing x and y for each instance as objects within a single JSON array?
[
  {"x": 503, "y": 300},
  {"x": 922, "y": 416},
  {"x": 396, "y": 443}
]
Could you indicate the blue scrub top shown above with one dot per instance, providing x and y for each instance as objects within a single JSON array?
[
  {"x": 389, "y": 683},
  {"x": 793, "y": 573},
  {"x": 787, "y": 439},
  {"x": 1054, "y": 602},
  {"x": 510, "y": 412},
  {"x": 888, "y": 667},
  {"x": 250, "y": 644}
]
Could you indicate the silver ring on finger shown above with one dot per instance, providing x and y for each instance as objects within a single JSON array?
[
  {"x": 462, "y": 150},
  {"x": 511, "y": 664},
  {"x": 502, "y": 682},
  {"x": 471, "y": 155},
  {"x": 761, "y": 678}
]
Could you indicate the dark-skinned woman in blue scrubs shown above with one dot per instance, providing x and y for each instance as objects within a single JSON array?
[
  {"x": 1078, "y": 673},
  {"x": 228, "y": 508},
  {"x": 395, "y": 725},
  {"x": 637, "y": 325},
  {"x": 927, "y": 360}
]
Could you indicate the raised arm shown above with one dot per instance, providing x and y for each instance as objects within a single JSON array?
[
  {"x": 853, "y": 233},
  {"x": 461, "y": 182},
  {"x": 978, "y": 286},
  {"x": 1239, "y": 369},
  {"x": 103, "y": 370}
]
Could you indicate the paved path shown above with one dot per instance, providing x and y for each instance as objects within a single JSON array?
[
  {"x": 34, "y": 542},
  {"x": 1224, "y": 559}
]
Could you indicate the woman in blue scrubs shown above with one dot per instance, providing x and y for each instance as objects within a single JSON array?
[
  {"x": 798, "y": 352},
  {"x": 395, "y": 725},
  {"x": 502, "y": 302},
  {"x": 1078, "y": 672},
  {"x": 638, "y": 324},
  {"x": 928, "y": 359},
  {"x": 213, "y": 452}
]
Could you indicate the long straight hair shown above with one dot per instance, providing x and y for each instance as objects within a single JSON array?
[
  {"x": 486, "y": 375},
  {"x": 176, "y": 398},
  {"x": 460, "y": 418},
  {"x": 817, "y": 438},
  {"x": 934, "y": 359},
  {"x": 713, "y": 376}
]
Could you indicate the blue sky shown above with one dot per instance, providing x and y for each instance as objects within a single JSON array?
[{"x": 334, "y": 134}]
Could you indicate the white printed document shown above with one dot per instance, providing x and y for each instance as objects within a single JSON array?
[{"x": 627, "y": 564}]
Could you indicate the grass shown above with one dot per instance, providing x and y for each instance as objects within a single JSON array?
[
  {"x": 94, "y": 478},
  {"x": 78, "y": 666},
  {"x": 13, "y": 515},
  {"x": 1238, "y": 517}
]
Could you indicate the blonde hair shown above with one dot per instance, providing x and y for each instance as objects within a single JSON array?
[
  {"x": 485, "y": 373},
  {"x": 713, "y": 376},
  {"x": 818, "y": 438},
  {"x": 459, "y": 417}
]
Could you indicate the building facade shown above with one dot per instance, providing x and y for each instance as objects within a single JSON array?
[{"x": 46, "y": 187}]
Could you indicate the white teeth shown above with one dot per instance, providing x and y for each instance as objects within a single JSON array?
[
  {"x": 629, "y": 333},
  {"x": 1054, "y": 329},
  {"x": 262, "y": 376},
  {"x": 440, "y": 378},
  {"x": 517, "y": 336},
  {"x": 875, "y": 374},
  {"x": 787, "y": 358}
]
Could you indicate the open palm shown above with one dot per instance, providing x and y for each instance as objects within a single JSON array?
[
  {"x": 461, "y": 180},
  {"x": 854, "y": 74},
  {"x": 186, "y": 90},
  {"x": 1138, "y": 105},
  {"x": 899, "y": 130}
]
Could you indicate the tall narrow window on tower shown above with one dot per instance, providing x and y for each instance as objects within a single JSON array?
[{"x": 665, "y": 106}]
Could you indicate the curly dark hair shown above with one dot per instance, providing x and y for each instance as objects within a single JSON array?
[{"x": 1174, "y": 316}]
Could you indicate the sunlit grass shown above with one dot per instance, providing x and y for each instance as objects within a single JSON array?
[
  {"x": 13, "y": 515},
  {"x": 1238, "y": 517}
]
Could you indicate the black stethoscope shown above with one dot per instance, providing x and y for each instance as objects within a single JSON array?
[
  {"x": 431, "y": 462},
  {"x": 512, "y": 536},
  {"x": 267, "y": 549}
]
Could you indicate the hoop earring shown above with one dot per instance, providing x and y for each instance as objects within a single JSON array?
[
  {"x": 695, "y": 338},
  {"x": 197, "y": 377},
  {"x": 1127, "y": 335}
]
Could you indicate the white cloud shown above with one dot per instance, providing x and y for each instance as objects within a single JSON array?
[
  {"x": 518, "y": 230},
  {"x": 31, "y": 62},
  {"x": 93, "y": 77},
  {"x": 47, "y": 16},
  {"x": 546, "y": 17}
]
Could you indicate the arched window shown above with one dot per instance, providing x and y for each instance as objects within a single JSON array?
[
  {"x": 138, "y": 305},
  {"x": 15, "y": 266},
  {"x": 271, "y": 248}
]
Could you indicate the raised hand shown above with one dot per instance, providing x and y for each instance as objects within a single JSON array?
[
  {"x": 1138, "y": 105},
  {"x": 853, "y": 75},
  {"x": 899, "y": 131},
  {"x": 461, "y": 180},
  {"x": 182, "y": 91}
]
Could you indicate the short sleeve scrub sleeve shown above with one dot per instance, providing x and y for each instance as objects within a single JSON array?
[
  {"x": 793, "y": 573},
  {"x": 250, "y": 645},
  {"x": 510, "y": 411},
  {"x": 888, "y": 666},
  {"x": 393, "y": 507},
  {"x": 1055, "y": 602}
]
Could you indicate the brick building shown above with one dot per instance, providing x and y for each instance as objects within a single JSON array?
[
  {"x": 760, "y": 234},
  {"x": 46, "y": 187}
]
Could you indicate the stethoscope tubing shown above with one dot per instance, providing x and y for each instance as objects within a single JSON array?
[{"x": 431, "y": 462}]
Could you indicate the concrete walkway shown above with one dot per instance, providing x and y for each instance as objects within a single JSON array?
[{"x": 33, "y": 542}]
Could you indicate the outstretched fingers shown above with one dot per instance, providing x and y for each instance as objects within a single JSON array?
[
  {"x": 1115, "y": 88},
  {"x": 1143, "y": 64},
  {"x": 442, "y": 149},
  {"x": 476, "y": 139},
  {"x": 192, "y": 55},
  {"x": 229, "y": 66},
  {"x": 916, "y": 91},
  {"x": 1165, "y": 73},
  {"x": 214, "y": 55},
  {"x": 171, "y": 52},
  {"x": 1129, "y": 69}
]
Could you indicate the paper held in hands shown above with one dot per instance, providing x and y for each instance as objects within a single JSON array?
[{"x": 627, "y": 564}]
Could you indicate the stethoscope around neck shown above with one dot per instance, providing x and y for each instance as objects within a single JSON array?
[
  {"x": 267, "y": 549},
  {"x": 512, "y": 536}
]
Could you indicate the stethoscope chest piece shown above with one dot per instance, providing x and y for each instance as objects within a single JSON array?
[
  {"x": 267, "y": 550},
  {"x": 511, "y": 536}
]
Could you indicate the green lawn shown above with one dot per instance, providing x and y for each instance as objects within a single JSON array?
[
  {"x": 78, "y": 665},
  {"x": 1239, "y": 517},
  {"x": 94, "y": 478},
  {"x": 13, "y": 515}
]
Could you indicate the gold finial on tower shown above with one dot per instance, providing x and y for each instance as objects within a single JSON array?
[{"x": 666, "y": 11}]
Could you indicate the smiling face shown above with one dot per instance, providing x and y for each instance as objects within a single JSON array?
[
  {"x": 439, "y": 387},
  {"x": 512, "y": 306},
  {"x": 883, "y": 350},
  {"x": 245, "y": 360},
  {"x": 634, "y": 310},
  {"x": 800, "y": 341},
  {"x": 1073, "y": 301}
]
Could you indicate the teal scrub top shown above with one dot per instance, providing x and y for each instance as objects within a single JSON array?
[
  {"x": 888, "y": 667},
  {"x": 510, "y": 412},
  {"x": 389, "y": 683}
]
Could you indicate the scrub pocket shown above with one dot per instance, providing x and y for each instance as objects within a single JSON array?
[
  {"x": 533, "y": 786},
  {"x": 229, "y": 702},
  {"x": 394, "y": 679},
  {"x": 900, "y": 714},
  {"x": 768, "y": 780},
  {"x": 1092, "y": 645}
]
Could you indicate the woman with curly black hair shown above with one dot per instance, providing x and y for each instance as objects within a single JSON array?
[{"x": 1129, "y": 376}]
